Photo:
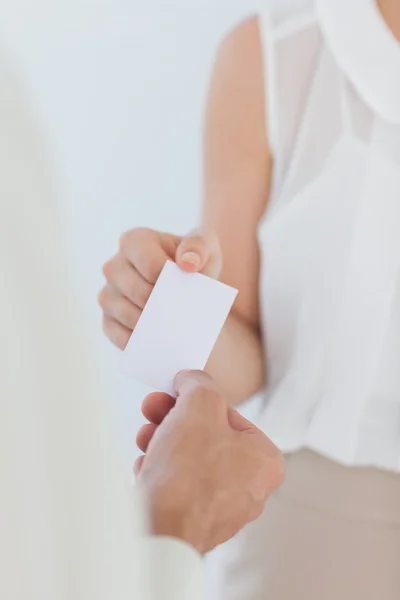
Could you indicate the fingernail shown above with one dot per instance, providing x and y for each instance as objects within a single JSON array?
[
  {"x": 178, "y": 379},
  {"x": 192, "y": 257}
]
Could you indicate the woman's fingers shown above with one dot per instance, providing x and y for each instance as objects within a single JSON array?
[
  {"x": 119, "y": 308},
  {"x": 117, "y": 334},
  {"x": 200, "y": 252},
  {"x": 126, "y": 279}
]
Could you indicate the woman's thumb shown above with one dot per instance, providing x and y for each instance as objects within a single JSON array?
[{"x": 199, "y": 252}]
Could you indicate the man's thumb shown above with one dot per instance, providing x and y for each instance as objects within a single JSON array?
[
  {"x": 240, "y": 423},
  {"x": 196, "y": 390}
]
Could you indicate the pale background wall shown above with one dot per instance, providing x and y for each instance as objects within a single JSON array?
[{"x": 118, "y": 88}]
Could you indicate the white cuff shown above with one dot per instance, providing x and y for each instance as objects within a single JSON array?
[{"x": 176, "y": 570}]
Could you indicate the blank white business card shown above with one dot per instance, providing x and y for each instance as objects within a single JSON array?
[{"x": 178, "y": 327}]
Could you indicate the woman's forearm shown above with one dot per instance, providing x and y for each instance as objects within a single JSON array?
[
  {"x": 237, "y": 362},
  {"x": 237, "y": 174}
]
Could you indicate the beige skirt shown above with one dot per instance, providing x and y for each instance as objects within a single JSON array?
[{"x": 330, "y": 533}]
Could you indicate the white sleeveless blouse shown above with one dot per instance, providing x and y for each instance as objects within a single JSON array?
[{"x": 330, "y": 241}]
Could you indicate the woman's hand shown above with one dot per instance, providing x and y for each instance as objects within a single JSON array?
[
  {"x": 237, "y": 174},
  {"x": 133, "y": 271}
]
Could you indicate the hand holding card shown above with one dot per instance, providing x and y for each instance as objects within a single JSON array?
[{"x": 178, "y": 328}]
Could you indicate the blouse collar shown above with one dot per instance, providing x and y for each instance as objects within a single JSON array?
[{"x": 366, "y": 50}]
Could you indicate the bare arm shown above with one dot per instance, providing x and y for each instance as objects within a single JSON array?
[{"x": 237, "y": 165}]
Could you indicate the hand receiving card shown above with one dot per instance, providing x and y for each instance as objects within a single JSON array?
[{"x": 178, "y": 327}]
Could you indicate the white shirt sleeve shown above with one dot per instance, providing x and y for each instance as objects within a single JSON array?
[
  {"x": 176, "y": 570},
  {"x": 165, "y": 568},
  {"x": 68, "y": 531}
]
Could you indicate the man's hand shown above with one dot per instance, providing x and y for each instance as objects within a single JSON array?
[
  {"x": 132, "y": 273},
  {"x": 207, "y": 470}
]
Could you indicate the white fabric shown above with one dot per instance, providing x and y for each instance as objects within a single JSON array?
[
  {"x": 330, "y": 240},
  {"x": 66, "y": 527}
]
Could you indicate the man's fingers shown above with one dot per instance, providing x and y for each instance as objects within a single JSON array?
[
  {"x": 145, "y": 435},
  {"x": 138, "y": 465},
  {"x": 200, "y": 252},
  {"x": 156, "y": 406}
]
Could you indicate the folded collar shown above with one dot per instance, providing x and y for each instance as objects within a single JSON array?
[{"x": 366, "y": 50}]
